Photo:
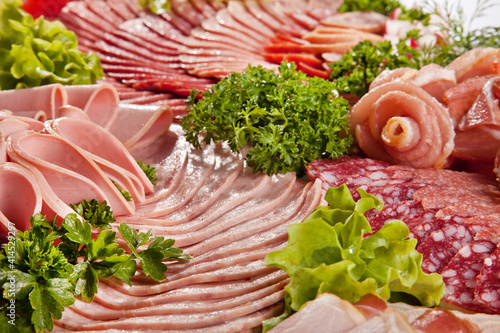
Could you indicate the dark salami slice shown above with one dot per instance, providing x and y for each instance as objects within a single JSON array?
[
  {"x": 317, "y": 166},
  {"x": 488, "y": 283},
  {"x": 403, "y": 210},
  {"x": 443, "y": 244},
  {"x": 460, "y": 275},
  {"x": 391, "y": 191}
]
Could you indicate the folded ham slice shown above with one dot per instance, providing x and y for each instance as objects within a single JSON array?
[
  {"x": 106, "y": 150},
  {"x": 47, "y": 98},
  {"x": 403, "y": 124},
  {"x": 137, "y": 126},
  {"x": 478, "y": 132},
  {"x": 20, "y": 197},
  {"x": 99, "y": 101},
  {"x": 64, "y": 171}
]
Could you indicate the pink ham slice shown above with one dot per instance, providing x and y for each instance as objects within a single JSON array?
[
  {"x": 107, "y": 151},
  {"x": 461, "y": 97},
  {"x": 20, "y": 197},
  {"x": 477, "y": 134},
  {"x": 433, "y": 78},
  {"x": 69, "y": 174},
  {"x": 479, "y": 61},
  {"x": 47, "y": 98},
  {"x": 137, "y": 126},
  {"x": 99, "y": 101},
  {"x": 365, "y": 21},
  {"x": 402, "y": 124}
]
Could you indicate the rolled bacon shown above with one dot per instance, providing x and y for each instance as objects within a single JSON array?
[{"x": 401, "y": 123}]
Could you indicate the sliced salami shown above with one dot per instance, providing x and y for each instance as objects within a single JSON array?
[
  {"x": 460, "y": 275},
  {"x": 317, "y": 166},
  {"x": 443, "y": 244},
  {"x": 488, "y": 283}
]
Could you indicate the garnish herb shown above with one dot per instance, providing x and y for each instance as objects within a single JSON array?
[
  {"x": 38, "y": 52},
  {"x": 385, "y": 7},
  {"x": 43, "y": 269},
  {"x": 359, "y": 67},
  {"x": 150, "y": 172},
  {"x": 123, "y": 192},
  {"x": 287, "y": 120},
  {"x": 328, "y": 252}
]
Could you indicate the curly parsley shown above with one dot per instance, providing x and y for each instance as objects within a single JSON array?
[{"x": 287, "y": 119}]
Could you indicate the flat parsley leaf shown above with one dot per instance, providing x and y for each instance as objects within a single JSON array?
[{"x": 160, "y": 249}]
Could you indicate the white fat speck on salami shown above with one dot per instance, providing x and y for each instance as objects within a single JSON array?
[
  {"x": 487, "y": 289},
  {"x": 460, "y": 275}
]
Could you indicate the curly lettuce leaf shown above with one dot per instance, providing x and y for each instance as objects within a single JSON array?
[
  {"x": 329, "y": 252},
  {"x": 35, "y": 52}
]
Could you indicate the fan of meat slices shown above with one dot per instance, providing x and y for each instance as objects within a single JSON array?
[{"x": 429, "y": 149}]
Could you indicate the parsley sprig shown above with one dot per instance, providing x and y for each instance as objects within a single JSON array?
[
  {"x": 286, "y": 119},
  {"x": 43, "y": 269}
]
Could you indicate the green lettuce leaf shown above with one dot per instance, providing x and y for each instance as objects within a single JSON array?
[
  {"x": 36, "y": 52},
  {"x": 329, "y": 252}
]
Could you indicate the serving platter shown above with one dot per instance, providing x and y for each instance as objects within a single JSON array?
[{"x": 208, "y": 200}]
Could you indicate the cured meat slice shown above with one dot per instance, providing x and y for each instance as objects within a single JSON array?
[
  {"x": 443, "y": 244},
  {"x": 99, "y": 101},
  {"x": 461, "y": 97},
  {"x": 20, "y": 197},
  {"x": 70, "y": 175},
  {"x": 460, "y": 274},
  {"x": 321, "y": 314},
  {"x": 241, "y": 14},
  {"x": 402, "y": 124},
  {"x": 103, "y": 147},
  {"x": 139, "y": 125},
  {"x": 47, "y": 98},
  {"x": 488, "y": 283},
  {"x": 477, "y": 62},
  {"x": 334, "y": 172},
  {"x": 364, "y": 21}
]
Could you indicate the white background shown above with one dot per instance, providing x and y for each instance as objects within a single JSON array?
[{"x": 492, "y": 18}]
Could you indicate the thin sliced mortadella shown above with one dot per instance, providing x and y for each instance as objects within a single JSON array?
[
  {"x": 99, "y": 101},
  {"x": 100, "y": 143},
  {"x": 47, "y": 98},
  {"x": 20, "y": 195},
  {"x": 71, "y": 175},
  {"x": 405, "y": 107},
  {"x": 137, "y": 126}
]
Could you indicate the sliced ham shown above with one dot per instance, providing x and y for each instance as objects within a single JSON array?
[
  {"x": 20, "y": 197},
  {"x": 99, "y": 101},
  {"x": 402, "y": 124},
  {"x": 479, "y": 61},
  {"x": 365, "y": 21},
  {"x": 47, "y": 98},
  {"x": 71, "y": 175},
  {"x": 106, "y": 150},
  {"x": 139, "y": 125},
  {"x": 326, "y": 313}
]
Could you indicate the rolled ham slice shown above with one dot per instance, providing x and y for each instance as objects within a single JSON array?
[
  {"x": 46, "y": 98},
  {"x": 137, "y": 126},
  {"x": 433, "y": 78},
  {"x": 65, "y": 171},
  {"x": 403, "y": 124},
  {"x": 99, "y": 101}
]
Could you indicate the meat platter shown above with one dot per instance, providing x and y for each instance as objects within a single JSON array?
[{"x": 227, "y": 217}]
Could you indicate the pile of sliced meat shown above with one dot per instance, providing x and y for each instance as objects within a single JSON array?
[
  {"x": 228, "y": 219},
  {"x": 159, "y": 59},
  {"x": 453, "y": 215}
]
